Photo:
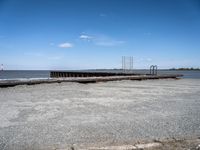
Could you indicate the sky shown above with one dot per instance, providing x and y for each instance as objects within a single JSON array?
[{"x": 94, "y": 34}]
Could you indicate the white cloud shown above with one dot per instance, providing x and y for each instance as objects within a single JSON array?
[
  {"x": 85, "y": 37},
  {"x": 65, "y": 45}
]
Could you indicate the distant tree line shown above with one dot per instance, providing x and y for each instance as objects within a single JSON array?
[{"x": 185, "y": 68}]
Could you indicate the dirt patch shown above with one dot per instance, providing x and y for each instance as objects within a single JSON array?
[{"x": 168, "y": 144}]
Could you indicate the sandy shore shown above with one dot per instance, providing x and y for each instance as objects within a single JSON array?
[{"x": 51, "y": 116}]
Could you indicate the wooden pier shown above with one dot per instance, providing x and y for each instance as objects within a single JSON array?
[
  {"x": 86, "y": 77},
  {"x": 61, "y": 74}
]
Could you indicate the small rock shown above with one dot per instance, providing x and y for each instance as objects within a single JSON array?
[{"x": 198, "y": 147}]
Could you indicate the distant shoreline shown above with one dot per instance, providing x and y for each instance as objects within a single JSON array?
[{"x": 186, "y": 69}]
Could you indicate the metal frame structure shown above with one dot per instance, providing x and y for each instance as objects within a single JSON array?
[
  {"x": 127, "y": 63},
  {"x": 2, "y": 67}
]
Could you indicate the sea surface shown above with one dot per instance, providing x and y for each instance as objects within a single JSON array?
[{"x": 43, "y": 74}]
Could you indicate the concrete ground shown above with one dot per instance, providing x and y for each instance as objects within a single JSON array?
[{"x": 72, "y": 115}]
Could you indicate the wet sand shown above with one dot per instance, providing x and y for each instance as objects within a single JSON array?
[{"x": 50, "y": 116}]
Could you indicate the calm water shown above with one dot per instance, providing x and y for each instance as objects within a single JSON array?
[
  {"x": 22, "y": 74},
  {"x": 19, "y": 74}
]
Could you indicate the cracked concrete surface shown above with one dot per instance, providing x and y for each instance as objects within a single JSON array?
[{"x": 50, "y": 116}]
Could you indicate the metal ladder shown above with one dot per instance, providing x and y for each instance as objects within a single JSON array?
[{"x": 153, "y": 70}]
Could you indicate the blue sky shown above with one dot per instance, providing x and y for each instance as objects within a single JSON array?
[{"x": 82, "y": 34}]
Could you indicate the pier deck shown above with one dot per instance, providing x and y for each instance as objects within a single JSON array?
[{"x": 82, "y": 79}]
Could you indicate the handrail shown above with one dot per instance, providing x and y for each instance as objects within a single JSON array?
[{"x": 153, "y": 70}]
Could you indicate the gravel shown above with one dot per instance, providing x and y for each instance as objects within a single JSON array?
[{"x": 50, "y": 116}]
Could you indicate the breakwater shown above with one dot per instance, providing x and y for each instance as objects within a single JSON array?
[{"x": 86, "y": 78}]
